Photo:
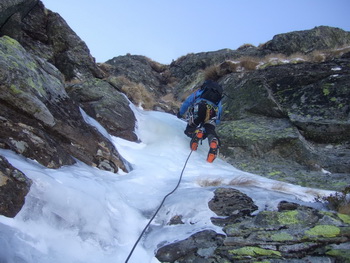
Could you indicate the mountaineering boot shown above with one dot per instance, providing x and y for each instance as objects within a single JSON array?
[
  {"x": 213, "y": 151},
  {"x": 198, "y": 135}
]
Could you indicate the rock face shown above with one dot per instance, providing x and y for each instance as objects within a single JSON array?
[
  {"x": 47, "y": 35},
  {"x": 294, "y": 233},
  {"x": 306, "y": 41},
  {"x": 140, "y": 69},
  {"x": 299, "y": 113},
  {"x": 145, "y": 82},
  {"x": 14, "y": 186},
  {"x": 108, "y": 106},
  {"x": 312, "y": 95},
  {"x": 40, "y": 59},
  {"x": 48, "y": 125}
]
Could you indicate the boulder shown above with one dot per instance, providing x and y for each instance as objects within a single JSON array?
[
  {"x": 230, "y": 205},
  {"x": 198, "y": 246}
]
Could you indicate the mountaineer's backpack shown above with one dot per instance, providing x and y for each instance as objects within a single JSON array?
[{"x": 212, "y": 91}]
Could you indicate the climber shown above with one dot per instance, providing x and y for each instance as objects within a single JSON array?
[{"x": 203, "y": 111}]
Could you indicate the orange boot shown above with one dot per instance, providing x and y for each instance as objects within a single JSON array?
[
  {"x": 213, "y": 151},
  {"x": 198, "y": 135}
]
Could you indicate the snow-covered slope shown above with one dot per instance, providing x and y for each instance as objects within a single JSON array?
[{"x": 83, "y": 215}]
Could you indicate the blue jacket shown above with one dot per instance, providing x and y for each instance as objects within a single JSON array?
[{"x": 195, "y": 98}]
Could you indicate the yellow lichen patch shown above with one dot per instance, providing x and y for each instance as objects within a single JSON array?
[
  {"x": 344, "y": 218},
  {"x": 324, "y": 231},
  {"x": 10, "y": 41},
  {"x": 281, "y": 237},
  {"x": 15, "y": 90},
  {"x": 288, "y": 218},
  {"x": 254, "y": 251}
]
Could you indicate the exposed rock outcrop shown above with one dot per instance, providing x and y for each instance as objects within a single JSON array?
[
  {"x": 14, "y": 186},
  {"x": 107, "y": 105},
  {"x": 306, "y": 41},
  {"x": 140, "y": 69},
  {"x": 294, "y": 233},
  {"x": 230, "y": 204},
  {"x": 40, "y": 56},
  {"x": 38, "y": 118},
  {"x": 145, "y": 82},
  {"x": 299, "y": 113},
  {"x": 46, "y": 34},
  {"x": 198, "y": 246}
]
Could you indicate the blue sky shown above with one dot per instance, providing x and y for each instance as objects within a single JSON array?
[{"x": 165, "y": 30}]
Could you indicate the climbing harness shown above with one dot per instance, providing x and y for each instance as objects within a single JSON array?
[
  {"x": 211, "y": 113},
  {"x": 161, "y": 204}
]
